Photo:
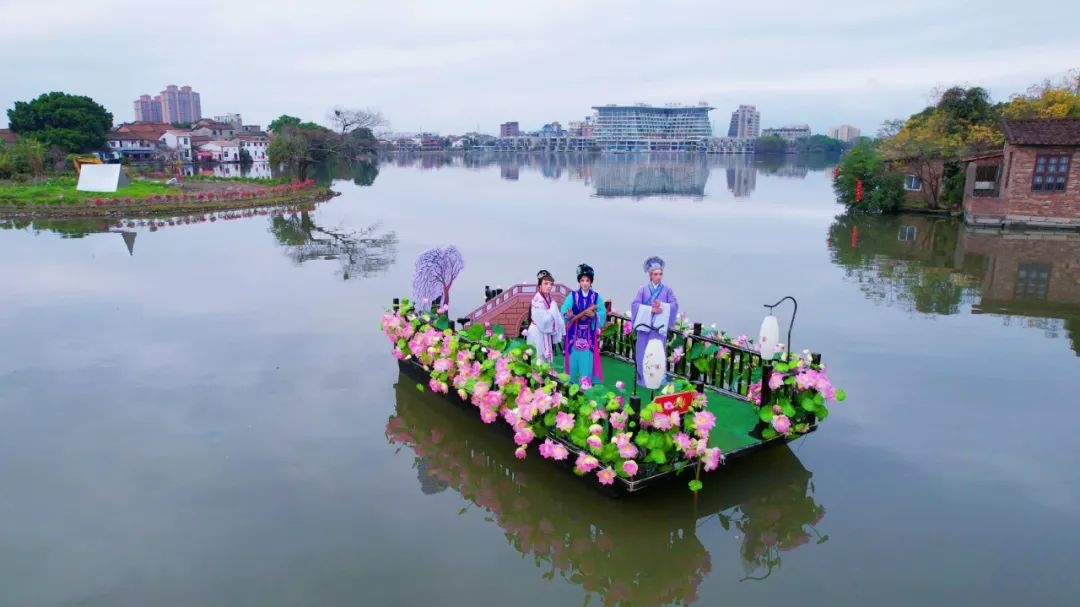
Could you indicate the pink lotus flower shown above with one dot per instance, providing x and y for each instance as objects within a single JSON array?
[
  {"x": 596, "y": 429},
  {"x": 619, "y": 385},
  {"x": 586, "y": 463},
  {"x": 677, "y": 354},
  {"x": 628, "y": 451},
  {"x": 594, "y": 442},
  {"x": 586, "y": 383},
  {"x": 630, "y": 467},
  {"x": 546, "y": 448},
  {"x": 443, "y": 365},
  {"x": 488, "y": 415},
  {"x": 524, "y": 436},
  {"x": 712, "y": 458},
  {"x": 683, "y": 442},
  {"x": 618, "y": 420},
  {"x": 626, "y": 328},
  {"x": 661, "y": 421},
  {"x": 704, "y": 421},
  {"x": 597, "y": 414},
  {"x": 559, "y": 452},
  {"x": 776, "y": 380},
  {"x": 781, "y": 424},
  {"x": 564, "y": 421},
  {"x": 520, "y": 452},
  {"x": 606, "y": 476}
]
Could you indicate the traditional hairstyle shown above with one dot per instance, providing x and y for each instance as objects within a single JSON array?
[
  {"x": 543, "y": 275},
  {"x": 585, "y": 270},
  {"x": 653, "y": 263}
]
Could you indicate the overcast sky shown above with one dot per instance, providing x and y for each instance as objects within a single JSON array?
[{"x": 452, "y": 67}]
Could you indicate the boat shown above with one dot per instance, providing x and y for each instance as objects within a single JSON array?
[
  {"x": 648, "y": 551},
  {"x": 723, "y": 400}
]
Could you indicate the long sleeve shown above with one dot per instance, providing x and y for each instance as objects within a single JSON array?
[
  {"x": 601, "y": 312},
  {"x": 567, "y": 305},
  {"x": 671, "y": 299},
  {"x": 543, "y": 316}
]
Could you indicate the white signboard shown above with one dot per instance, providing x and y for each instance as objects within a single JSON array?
[{"x": 101, "y": 178}]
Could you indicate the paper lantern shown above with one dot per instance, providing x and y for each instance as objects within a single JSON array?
[{"x": 769, "y": 337}]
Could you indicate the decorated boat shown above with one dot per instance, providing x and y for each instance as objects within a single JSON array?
[
  {"x": 722, "y": 397},
  {"x": 646, "y": 552}
]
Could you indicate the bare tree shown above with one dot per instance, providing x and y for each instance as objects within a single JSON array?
[
  {"x": 436, "y": 270},
  {"x": 346, "y": 120}
]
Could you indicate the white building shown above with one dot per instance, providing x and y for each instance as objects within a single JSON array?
[
  {"x": 790, "y": 133},
  {"x": 845, "y": 133},
  {"x": 256, "y": 146},
  {"x": 178, "y": 142},
  {"x": 222, "y": 151}
]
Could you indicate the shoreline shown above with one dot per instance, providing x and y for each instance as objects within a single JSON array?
[{"x": 150, "y": 207}]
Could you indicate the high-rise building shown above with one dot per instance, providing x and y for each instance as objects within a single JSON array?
[
  {"x": 180, "y": 104},
  {"x": 147, "y": 109},
  {"x": 509, "y": 129},
  {"x": 845, "y": 133},
  {"x": 745, "y": 122},
  {"x": 647, "y": 128}
]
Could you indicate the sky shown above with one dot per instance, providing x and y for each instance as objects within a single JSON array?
[{"x": 452, "y": 67}]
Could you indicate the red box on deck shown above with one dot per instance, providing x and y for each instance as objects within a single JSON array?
[{"x": 680, "y": 401}]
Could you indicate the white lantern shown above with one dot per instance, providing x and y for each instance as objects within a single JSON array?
[
  {"x": 654, "y": 364},
  {"x": 769, "y": 337}
]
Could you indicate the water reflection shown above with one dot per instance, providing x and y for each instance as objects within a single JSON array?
[
  {"x": 361, "y": 253},
  {"x": 642, "y": 550},
  {"x": 628, "y": 175},
  {"x": 937, "y": 266}
]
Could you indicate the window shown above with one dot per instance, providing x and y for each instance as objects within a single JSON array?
[
  {"x": 986, "y": 180},
  {"x": 912, "y": 183},
  {"x": 907, "y": 233},
  {"x": 1032, "y": 280},
  {"x": 1051, "y": 173}
]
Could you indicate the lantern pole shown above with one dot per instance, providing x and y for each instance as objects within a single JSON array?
[{"x": 793, "y": 313}]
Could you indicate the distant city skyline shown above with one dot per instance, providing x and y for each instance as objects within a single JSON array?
[{"x": 449, "y": 68}]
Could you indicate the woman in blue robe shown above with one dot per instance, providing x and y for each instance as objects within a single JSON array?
[
  {"x": 585, "y": 315},
  {"x": 653, "y": 294}
]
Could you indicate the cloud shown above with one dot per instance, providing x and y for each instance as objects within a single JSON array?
[{"x": 453, "y": 67}]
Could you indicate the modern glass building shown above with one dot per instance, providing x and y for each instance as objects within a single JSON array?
[{"x": 647, "y": 128}]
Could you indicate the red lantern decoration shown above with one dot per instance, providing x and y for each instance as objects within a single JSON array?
[
  {"x": 836, "y": 172},
  {"x": 858, "y": 190}
]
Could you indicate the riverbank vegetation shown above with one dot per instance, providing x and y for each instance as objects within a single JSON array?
[
  {"x": 930, "y": 145},
  {"x": 300, "y": 144}
]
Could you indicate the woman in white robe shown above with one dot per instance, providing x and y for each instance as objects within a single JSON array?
[{"x": 548, "y": 326}]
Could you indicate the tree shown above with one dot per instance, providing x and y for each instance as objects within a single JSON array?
[
  {"x": 73, "y": 122},
  {"x": 883, "y": 192},
  {"x": 770, "y": 144},
  {"x": 345, "y": 120},
  {"x": 436, "y": 270},
  {"x": 819, "y": 144},
  {"x": 290, "y": 147},
  {"x": 1047, "y": 100},
  {"x": 283, "y": 121}
]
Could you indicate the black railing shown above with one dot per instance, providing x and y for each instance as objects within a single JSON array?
[{"x": 728, "y": 368}]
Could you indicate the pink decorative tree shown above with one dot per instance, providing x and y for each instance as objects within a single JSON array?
[{"x": 436, "y": 270}]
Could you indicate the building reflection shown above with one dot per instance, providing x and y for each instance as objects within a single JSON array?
[
  {"x": 640, "y": 550},
  {"x": 938, "y": 266},
  {"x": 669, "y": 175}
]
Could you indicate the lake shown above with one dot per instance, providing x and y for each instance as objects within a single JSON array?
[{"x": 202, "y": 412}]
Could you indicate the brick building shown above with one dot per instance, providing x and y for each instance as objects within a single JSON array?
[{"x": 1033, "y": 181}]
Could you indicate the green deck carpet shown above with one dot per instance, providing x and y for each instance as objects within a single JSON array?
[{"x": 734, "y": 418}]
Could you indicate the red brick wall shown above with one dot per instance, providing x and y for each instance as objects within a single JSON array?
[
  {"x": 1006, "y": 252},
  {"x": 1027, "y": 206}
]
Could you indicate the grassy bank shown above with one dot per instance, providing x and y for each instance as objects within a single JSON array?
[
  {"x": 61, "y": 191},
  {"x": 57, "y": 197}
]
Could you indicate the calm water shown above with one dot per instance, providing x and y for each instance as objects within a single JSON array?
[{"x": 207, "y": 414}]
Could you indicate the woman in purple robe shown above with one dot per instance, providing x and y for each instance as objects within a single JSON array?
[{"x": 653, "y": 294}]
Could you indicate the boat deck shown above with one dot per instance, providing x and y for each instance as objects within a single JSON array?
[{"x": 734, "y": 418}]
